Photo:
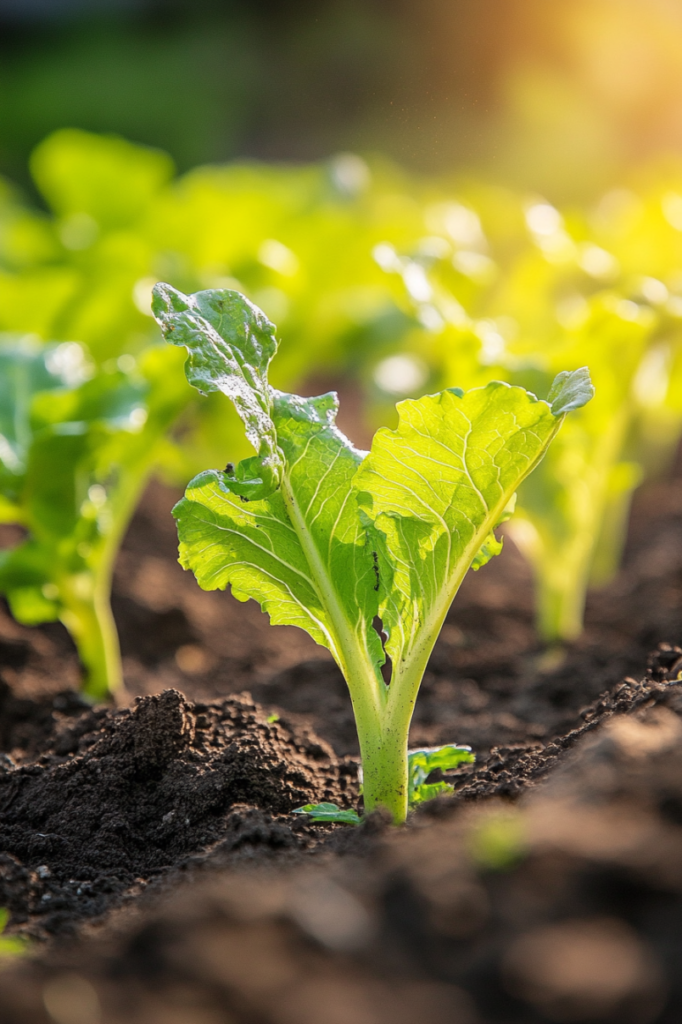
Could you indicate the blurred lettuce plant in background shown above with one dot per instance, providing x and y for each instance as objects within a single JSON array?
[
  {"x": 511, "y": 287},
  {"x": 77, "y": 445}
]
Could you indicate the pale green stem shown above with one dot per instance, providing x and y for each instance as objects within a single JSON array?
[
  {"x": 87, "y": 599},
  {"x": 384, "y": 766},
  {"x": 608, "y": 550},
  {"x": 384, "y": 761},
  {"x": 561, "y": 607},
  {"x": 93, "y": 629}
]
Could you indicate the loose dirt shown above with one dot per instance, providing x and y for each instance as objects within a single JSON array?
[{"x": 118, "y": 799}]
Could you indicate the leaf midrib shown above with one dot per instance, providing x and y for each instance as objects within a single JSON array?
[{"x": 348, "y": 649}]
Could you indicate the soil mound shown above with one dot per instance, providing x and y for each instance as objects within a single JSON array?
[{"x": 123, "y": 796}]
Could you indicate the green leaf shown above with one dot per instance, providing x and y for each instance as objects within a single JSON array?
[
  {"x": 26, "y": 369},
  {"x": 571, "y": 389},
  {"x": 329, "y": 812},
  {"x": 106, "y": 178},
  {"x": 427, "y": 759},
  {"x": 230, "y": 344},
  {"x": 251, "y": 546},
  {"x": 420, "y": 764},
  {"x": 490, "y": 547},
  {"x": 302, "y": 552},
  {"x": 435, "y": 488}
]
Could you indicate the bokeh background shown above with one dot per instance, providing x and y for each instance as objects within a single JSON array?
[
  {"x": 417, "y": 195},
  {"x": 556, "y": 97}
]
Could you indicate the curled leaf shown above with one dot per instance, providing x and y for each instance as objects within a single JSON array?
[{"x": 230, "y": 344}]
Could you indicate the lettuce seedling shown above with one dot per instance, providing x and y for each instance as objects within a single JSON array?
[
  {"x": 73, "y": 461},
  {"x": 329, "y": 538}
]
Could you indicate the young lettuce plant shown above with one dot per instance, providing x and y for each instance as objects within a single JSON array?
[
  {"x": 329, "y": 538},
  {"x": 73, "y": 461},
  {"x": 571, "y": 517},
  {"x": 572, "y": 514}
]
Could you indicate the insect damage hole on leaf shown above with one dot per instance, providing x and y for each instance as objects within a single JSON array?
[
  {"x": 378, "y": 626},
  {"x": 333, "y": 539}
]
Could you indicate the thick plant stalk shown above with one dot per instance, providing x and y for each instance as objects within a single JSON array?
[
  {"x": 561, "y": 583},
  {"x": 384, "y": 768},
  {"x": 383, "y": 748},
  {"x": 608, "y": 550},
  {"x": 561, "y": 606}
]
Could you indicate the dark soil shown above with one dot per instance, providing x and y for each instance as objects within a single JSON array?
[
  {"x": 565, "y": 906},
  {"x": 123, "y": 797},
  {"x": 105, "y": 810}
]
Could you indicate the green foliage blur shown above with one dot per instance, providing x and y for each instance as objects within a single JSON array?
[
  {"x": 11, "y": 946},
  {"x": 390, "y": 283},
  {"x": 297, "y": 240},
  {"x": 76, "y": 448},
  {"x": 510, "y": 288}
]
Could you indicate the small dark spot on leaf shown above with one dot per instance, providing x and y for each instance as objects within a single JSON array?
[{"x": 376, "y": 569}]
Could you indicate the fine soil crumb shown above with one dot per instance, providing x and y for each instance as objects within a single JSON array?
[{"x": 124, "y": 796}]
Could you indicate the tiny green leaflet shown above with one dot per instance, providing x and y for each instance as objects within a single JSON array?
[
  {"x": 420, "y": 764},
  {"x": 325, "y": 812},
  {"x": 326, "y": 537}
]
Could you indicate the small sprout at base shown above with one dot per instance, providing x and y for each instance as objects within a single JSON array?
[
  {"x": 420, "y": 764},
  {"x": 329, "y": 812},
  {"x": 272, "y": 719}
]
